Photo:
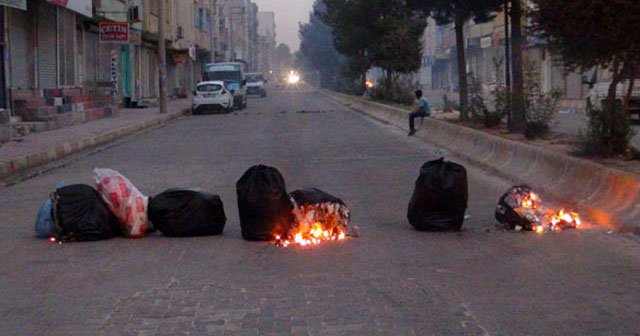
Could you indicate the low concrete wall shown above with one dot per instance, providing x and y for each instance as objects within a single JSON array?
[{"x": 609, "y": 197}]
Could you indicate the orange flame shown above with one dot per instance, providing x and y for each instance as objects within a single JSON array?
[
  {"x": 531, "y": 201},
  {"x": 315, "y": 236},
  {"x": 565, "y": 219}
]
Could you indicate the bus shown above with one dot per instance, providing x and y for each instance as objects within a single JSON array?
[{"x": 232, "y": 74}]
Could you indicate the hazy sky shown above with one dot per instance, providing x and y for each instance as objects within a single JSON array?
[{"x": 288, "y": 14}]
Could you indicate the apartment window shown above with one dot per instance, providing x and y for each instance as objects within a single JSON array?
[
  {"x": 200, "y": 21},
  {"x": 207, "y": 20}
]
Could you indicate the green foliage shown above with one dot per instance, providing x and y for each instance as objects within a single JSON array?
[
  {"x": 597, "y": 33},
  {"x": 539, "y": 107},
  {"x": 480, "y": 114},
  {"x": 589, "y": 33},
  {"x": 448, "y": 11},
  {"x": 383, "y": 33},
  {"x": 458, "y": 12},
  {"x": 401, "y": 92},
  {"x": 283, "y": 56},
  {"x": 318, "y": 53},
  {"x": 608, "y": 133}
]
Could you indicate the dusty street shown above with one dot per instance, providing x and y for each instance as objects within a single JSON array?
[{"x": 391, "y": 280}]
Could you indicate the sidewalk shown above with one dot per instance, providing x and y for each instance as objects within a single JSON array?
[{"x": 40, "y": 148}]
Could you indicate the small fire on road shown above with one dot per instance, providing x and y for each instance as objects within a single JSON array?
[
  {"x": 316, "y": 223},
  {"x": 522, "y": 209}
]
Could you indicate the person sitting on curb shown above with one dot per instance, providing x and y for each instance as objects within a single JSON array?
[{"x": 423, "y": 110}]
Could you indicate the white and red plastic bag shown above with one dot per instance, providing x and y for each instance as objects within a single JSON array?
[{"x": 124, "y": 200}]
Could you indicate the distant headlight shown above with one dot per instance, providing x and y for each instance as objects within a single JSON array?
[{"x": 293, "y": 78}]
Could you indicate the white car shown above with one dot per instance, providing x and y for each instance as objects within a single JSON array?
[{"x": 211, "y": 96}]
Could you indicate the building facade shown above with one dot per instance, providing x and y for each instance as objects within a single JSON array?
[
  {"x": 485, "y": 56},
  {"x": 55, "y": 60},
  {"x": 266, "y": 46}
]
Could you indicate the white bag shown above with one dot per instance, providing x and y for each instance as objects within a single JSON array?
[{"x": 124, "y": 200}]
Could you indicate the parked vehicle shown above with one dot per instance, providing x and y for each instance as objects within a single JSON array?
[
  {"x": 211, "y": 96},
  {"x": 232, "y": 74},
  {"x": 256, "y": 84},
  {"x": 599, "y": 89}
]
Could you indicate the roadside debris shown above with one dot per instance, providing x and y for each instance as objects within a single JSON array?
[
  {"x": 80, "y": 214},
  {"x": 124, "y": 200},
  {"x": 187, "y": 213},
  {"x": 520, "y": 209}
]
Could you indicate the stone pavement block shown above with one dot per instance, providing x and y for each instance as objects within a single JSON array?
[{"x": 391, "y": 280}]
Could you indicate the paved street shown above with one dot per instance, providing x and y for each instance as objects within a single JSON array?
[{"x": 391, "y": 280}]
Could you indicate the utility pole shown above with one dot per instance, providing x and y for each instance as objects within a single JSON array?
[
  {"x": 162, "y": 67},
  {"x": 213, "y": 29},
  {"x": 507, "y": 59}
]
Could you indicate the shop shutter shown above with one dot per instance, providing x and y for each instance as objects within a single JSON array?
[
  {"x": 90, "y": 56},
  {"x": 67, "y": 52},
  {"x": 21, "y": 48},
  {"x": 104, "y": 62},
  {"x": 153, "y": 73},
  {"x": 47, "y": 58}
]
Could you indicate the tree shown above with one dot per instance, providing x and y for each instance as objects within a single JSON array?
[
  {"x": 283, "y": 57},
  {"x": 399, "y": 48},
  {"x": 517, "y": 121},
  {"x": 317, "y": 51},
  {"x": 598, "y": 33},
  {"x": 352, "y": 29},
  {"x": 383, "y": 33},
  {"x": 458, "y": 12}
]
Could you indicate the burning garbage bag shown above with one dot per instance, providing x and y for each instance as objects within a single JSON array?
[
  {"x": 79, "y": 214},
  {"x": 440, "y": 197},
  {"x": 319, "y": 216},
  {"x": 521, "y": 208},
  {"x": 127, "y": 203},
  {"x": 263, "y": 203},
  {"x": 187, "y": 213}
]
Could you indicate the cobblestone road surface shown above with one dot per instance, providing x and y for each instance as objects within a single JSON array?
[{"x": 389, "y": 281}]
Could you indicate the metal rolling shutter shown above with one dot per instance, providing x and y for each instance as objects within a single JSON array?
[
  {"x": 47, "y": 57},
  {"x": 67, "y": 51},
  {"x": 153, "y": 73},
  {"x": 90, "y": 56},
  {"x": 21, "y": 48},
  {"x": 104, "y": 62}
]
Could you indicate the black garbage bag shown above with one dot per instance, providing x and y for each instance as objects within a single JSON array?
[
  {"x": 263, "y": 203},
  {"x": 440, "y": 197},
  {"x": 317, "y": 206},
  {"x": 187, "y": 213},
  {"x": 80, "y": 214},
  {"x": 314, "y": 196},
  {"x": 511, "y": 212}
]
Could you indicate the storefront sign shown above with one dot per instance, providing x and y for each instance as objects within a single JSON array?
[
  {"x": 114, "y": 69},
  {"x": 20, "y": 4},
  {"x": 485, "y": 42},
  {"x": 83, "y": 7},
  {"x": 114, "y": 32},
  {"x": 135, "y": 36}
]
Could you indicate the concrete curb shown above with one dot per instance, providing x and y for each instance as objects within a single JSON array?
[
  {"x": 19, "y": 164},
  {"x": 608, "y": 196}
]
